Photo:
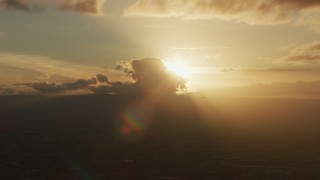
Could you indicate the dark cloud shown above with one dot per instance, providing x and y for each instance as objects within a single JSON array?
[
  {"x": 151, "y": 74},
  {"x": 147, "y": 68},
  {"x": 9, "y": 90},
  {"x": 250, "y": 11},
  {"x": 59, "y": 88},
  {"x": 102, "y": 78},
  {"x": 5, "y": 91},
  {"x": 82, "y": 6},
  {"x": 126, "y": 67},
  {"x": 15, "y": 4},
  {"x": 114, "y": 88},
  {"x": 146, "y": 75},
  {"x": 309, "y": 53},
  {"x": 24, "y": 5},
  {"x": 81, "y": 83}
]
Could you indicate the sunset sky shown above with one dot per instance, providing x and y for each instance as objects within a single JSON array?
[{"x": 267, "y": 43}]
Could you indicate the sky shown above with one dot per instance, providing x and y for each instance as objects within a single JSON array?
[{"x": 249, "y": 44}]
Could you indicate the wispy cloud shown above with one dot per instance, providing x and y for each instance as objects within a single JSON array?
[
  {"x": 270, "y": 69},
  {"x": 249, "y": 11},
  {"x": 199, "y": 48},
  {"x": 307, "y": 53},
  {"x": 58, "y": 88},
  {"x": 17, "y": 68},
  {"x": 9, "y": 90},
  {"x": 311, "y": 20},
  {"x": 299, "y": 89}
]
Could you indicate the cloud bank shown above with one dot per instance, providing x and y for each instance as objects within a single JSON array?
[
  {"x": 249, "y": 11},
  {"x": 58, "y": 88},
  {"x": 79, "y": 6},
  {"x": 148, "y": 75}
]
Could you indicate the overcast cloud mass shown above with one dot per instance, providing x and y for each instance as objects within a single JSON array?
[{"x": 249, "y": 11}]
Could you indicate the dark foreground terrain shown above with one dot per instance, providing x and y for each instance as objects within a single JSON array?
[{"x": 149, "y": 137}]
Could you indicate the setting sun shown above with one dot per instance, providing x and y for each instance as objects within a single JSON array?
[
  {"x": 159, "y": 89},
  {"x": 178, "y": 69}
]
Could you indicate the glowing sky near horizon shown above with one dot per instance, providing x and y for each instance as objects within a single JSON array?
[{"x": 221, "y": 44}]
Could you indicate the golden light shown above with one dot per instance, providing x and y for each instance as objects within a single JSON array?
[
  {"x": 178, "y": 69},
  {"x": 176, "y": 65}
]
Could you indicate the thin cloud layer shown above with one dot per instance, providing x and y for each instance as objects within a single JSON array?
[
  {"x": 114, "y": 88},
  {"x": 309, "y": 53},
  {"x": 311, "y": 20},
  {"x": 79, "y": 6},
  {"x": 19, "y": 68},
  {"x": 249, "y": 11},
  {"x": 299, "y": 89},
  {"x": 58, "y": 88},
  {"x": 9, "y": 90}
]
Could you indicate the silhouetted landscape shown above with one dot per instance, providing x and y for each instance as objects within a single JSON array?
[{"x": 83, "y": 137}]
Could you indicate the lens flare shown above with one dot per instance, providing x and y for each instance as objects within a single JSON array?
[{"x": 132, "y": 123}]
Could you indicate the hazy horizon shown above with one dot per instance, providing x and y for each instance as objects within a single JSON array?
[
  {"x": 159, "y": 89},
  {"x": 271, "y": 43}
]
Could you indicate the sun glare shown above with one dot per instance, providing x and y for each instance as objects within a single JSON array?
[{"x": 178, "y": 69}]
